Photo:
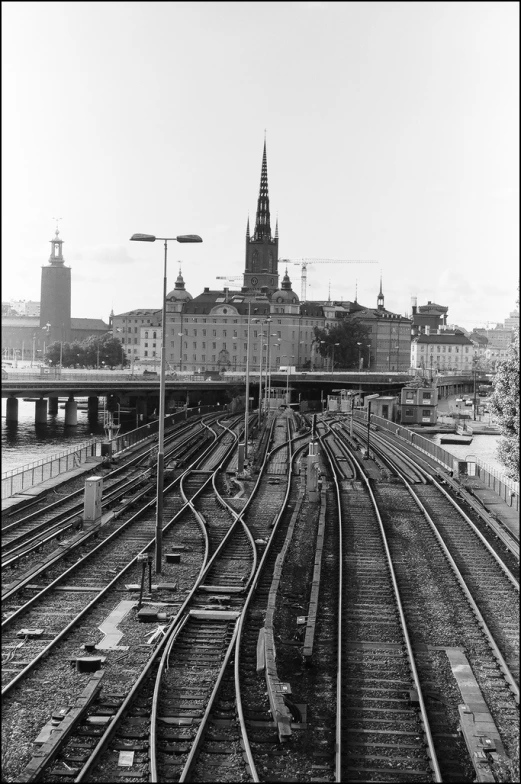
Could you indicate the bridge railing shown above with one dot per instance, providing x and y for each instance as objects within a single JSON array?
[
  {"x": 19, "y": 479},
  {"x": 504, "y": 487}
]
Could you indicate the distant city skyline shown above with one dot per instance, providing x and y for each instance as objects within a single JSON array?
[{"x": 392, "y": 134}]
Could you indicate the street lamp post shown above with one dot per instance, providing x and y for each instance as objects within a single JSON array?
[
  {"x": 47, "y": 328},
  {"x": 359, "y": 350},
  {"x": 333, "y": 357},
  {"x": 161, "y": 442}
]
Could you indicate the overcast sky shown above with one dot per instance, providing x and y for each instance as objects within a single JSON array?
[{"x": 392, "y": 134}]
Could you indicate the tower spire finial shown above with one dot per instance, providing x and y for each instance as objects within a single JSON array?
[
  {"x": 380, "y": 300},
  {"x": 356, "y": 290},
  {"x": 57, "y": 228}
]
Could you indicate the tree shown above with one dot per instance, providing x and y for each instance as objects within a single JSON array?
[
  {"x": 505, "y": 405},
  {"x": 348, "y": 334}
]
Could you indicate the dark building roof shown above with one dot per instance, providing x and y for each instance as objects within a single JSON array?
[
  {"x": 89, "y": 323},
  {"x": 377, "y": 314},
  {"x": 140, "y": 312},
  {"x": 449, "y": 338},
  {"x": 209, "y": 299}
]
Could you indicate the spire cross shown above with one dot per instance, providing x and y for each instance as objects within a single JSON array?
[{"x": 57, "y": 229}]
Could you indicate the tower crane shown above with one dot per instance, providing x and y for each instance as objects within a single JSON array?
[
  {"x": 304, "y": 263},
  {"x": 229, "y": 278}
]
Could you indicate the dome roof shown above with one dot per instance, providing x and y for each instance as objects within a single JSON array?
[
  {"x": 285, "y": 293},
  {"x": 179, "y": 292}
]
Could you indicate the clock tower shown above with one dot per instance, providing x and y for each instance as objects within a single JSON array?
[{"x": 262, "y": 250}]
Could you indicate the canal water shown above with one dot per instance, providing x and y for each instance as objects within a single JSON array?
[{"x": 23, "y": 442}]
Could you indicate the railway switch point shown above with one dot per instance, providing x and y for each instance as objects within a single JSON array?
[{"x": 30, "y": 633}]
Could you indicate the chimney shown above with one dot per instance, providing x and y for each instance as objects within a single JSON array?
[
  {"x": 206, "y": 289},
  {"x": 226, "y": 289},
  {"x": 414, "y": 302}
]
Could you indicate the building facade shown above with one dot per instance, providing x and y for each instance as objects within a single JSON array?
[
  {"x": 443, "y": 350},
  {"x": 209, "y": 331}
]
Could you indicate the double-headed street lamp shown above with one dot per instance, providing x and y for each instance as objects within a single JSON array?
[{"x": 161, "y": 443}]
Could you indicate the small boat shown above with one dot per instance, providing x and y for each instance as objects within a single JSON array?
[{"x": 455, "y": 438}]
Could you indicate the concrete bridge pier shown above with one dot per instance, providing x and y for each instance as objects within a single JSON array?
[
  {"x": 71, "y": 412},
  {"x": 92, "y": 407},
  {"x": 53, "y": 406},
  {"x": 11, "y": 409},
  {"x": 40, "y": 411}
]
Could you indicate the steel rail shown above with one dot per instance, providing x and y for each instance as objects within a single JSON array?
[
  {"x": 410, "y": 653},
  {"x": 44, "y": 652}
]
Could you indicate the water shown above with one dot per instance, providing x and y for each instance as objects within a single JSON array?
[
  {"x": 23, "y": 443},
  {"x": 483, "y": 447}
]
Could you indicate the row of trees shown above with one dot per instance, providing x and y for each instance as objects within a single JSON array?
[
  {"x": 92, "y": 352},
  {"x": 505, "y": 405},
  {"x": 347, "y": 335}
]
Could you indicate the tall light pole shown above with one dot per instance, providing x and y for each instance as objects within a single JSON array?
[
  {"x": 161, "y": 443},
  {"x": 47, "y": 328},
  {"x": 333, "y": 357},
  {"x": 247, "y": 406},
  {"x": 359, "y": 350}
]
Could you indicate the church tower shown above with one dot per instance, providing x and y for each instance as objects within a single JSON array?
[
  {"x": 262, "y": 250},
  {"x": 55, "y": 295}
]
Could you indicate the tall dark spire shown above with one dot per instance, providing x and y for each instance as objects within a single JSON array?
[
  {"x": 380, "y": 300},
  {"x": 248, "y": 229},
  {"x": 262, "y": 219}
]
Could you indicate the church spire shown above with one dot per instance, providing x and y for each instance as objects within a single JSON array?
[
  {"x": 380, "y": 300},
  {"x": 262, "y": 219},
  {"x": 248, "y": 229}
]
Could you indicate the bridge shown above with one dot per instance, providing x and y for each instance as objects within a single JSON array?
[{"x": 142, "y": 392}]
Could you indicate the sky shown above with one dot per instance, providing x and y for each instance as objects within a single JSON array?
[{"x": 392, "y": 134}]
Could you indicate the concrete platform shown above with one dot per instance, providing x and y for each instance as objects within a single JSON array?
[
  {"x": 477, "y": 725},
  {"x": 507, "y": 515},
  {"x": 31, "y": 493}
]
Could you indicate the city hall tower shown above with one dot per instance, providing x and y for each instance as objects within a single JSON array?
[{"x": 55, "y": 296}]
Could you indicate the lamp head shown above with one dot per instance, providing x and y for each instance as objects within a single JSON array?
[{"x": 143, "y": 238}]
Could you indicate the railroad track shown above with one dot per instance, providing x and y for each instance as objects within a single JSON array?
[
  {"x": 43, "y": 607},
  {"x": 208, "y": 604},
  {"x": 37, "y": 530},
  {"x": 456, "y": 593}
]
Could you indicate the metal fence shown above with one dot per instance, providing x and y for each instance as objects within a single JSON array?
[
  {"x": 504, "y": 487},
  {"x": 19, "y": 479}
]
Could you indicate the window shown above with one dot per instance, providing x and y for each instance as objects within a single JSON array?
[
  {"x": 214, "y": 345},
  {"x": 154, "y": 336},
  {"x": 185, "y": 357},
  {"x": 146, "y": 335},
  {"x": 153, "y": 345},
  {"x": 203, "y": 357},
  {"x": 235, "y": 346},
  {"x": 146, "y": 353},
  {"x": 224, "y": 347},
  {"x": 214, "y": 333},
  {"x": 186, "y": 345},
  {"x": 195, "y": 333},
  {"x": 129, "y": 350},
  {"x": 146, "y": 345},
  {"x": 234, "y": 333},
  {"x": 135, "y": 340},
  {"x": 123, "y": 340},
  {"x": 204, "y": 333},
  {"x": 450, "y": 349},
  {"x": 195, "y": 344},
  {"x": 408, "y": 412},
  {"x": 246, "y": 347},
  {"x": 213, "y": 357},
  {"x": 194, "y": 357},
  {"x": 466, "y": 349},
  {"x": 426, "y": 412},
  {"x": 254, "y": 360},
  {"x": 444, "y": 348},
  {"x": 135, "y": 329},
  {"x": 224, "y": 333},
  {"x": 186, "y": 332},
  {"x": 279, "y": 334},
  {"x": 255, "y": 333},
  {"x": 204, "y": 344},
  {"x": 172, "y": 343}
]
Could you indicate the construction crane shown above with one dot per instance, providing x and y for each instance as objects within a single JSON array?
[
  {"x": 304, "y": 263},
  {"x": 230, "y": 278}
]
